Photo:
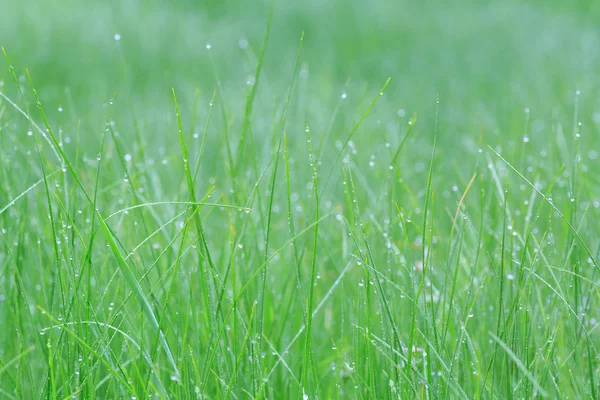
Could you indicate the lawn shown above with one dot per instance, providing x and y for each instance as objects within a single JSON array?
[{"x": 320, "y": 199}]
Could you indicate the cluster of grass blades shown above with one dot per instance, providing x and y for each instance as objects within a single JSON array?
[{"x": 281, "y": 250}]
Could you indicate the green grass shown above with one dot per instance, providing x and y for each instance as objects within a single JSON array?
[{"x": 267, "y": 200}]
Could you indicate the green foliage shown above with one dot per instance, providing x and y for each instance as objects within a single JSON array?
[{"x": 316, "y": 199}]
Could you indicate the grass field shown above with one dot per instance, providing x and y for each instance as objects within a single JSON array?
[{"x": 321, "y": 199}]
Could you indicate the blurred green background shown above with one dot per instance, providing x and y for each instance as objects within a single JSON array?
[
  {"x": 487, "y": 61},
  {"x": 483, "y": 58}
]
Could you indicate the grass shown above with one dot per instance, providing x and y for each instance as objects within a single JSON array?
[{"x": 320, "y": 200}]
